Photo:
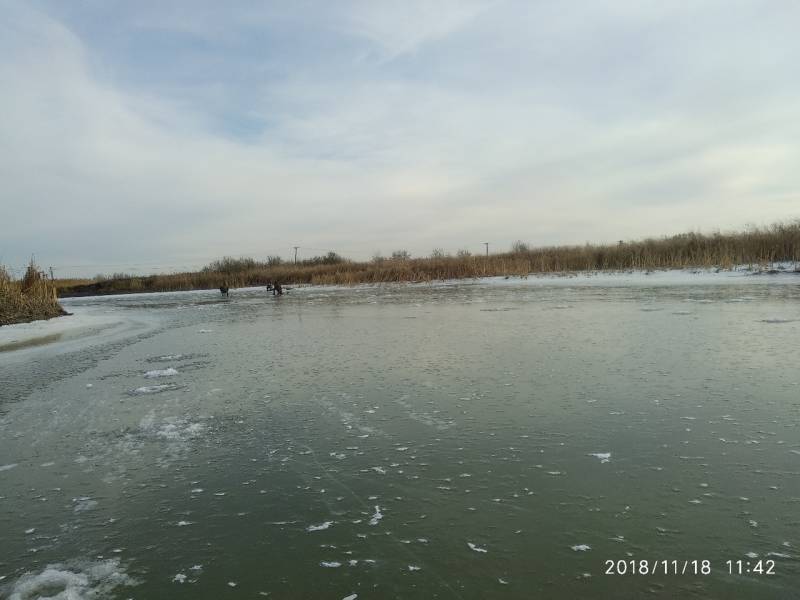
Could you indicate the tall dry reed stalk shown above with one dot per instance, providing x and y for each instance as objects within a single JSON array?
[{"x": 30, "y": 299}]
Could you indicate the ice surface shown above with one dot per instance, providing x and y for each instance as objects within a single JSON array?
[
  {"x": 60, "y": 329},
  {"x": 476, "y": 548},
  {"x": 603, "y": 456},
  {"x": 8, "y": 467},
  {"x": 581, "y": 547}
]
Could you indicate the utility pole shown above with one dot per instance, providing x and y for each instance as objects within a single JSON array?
[
  {"x": 295, "y": 253},
  {"x": 487, "y": 248}
]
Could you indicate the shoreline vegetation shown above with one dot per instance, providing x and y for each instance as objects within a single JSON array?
[
  {"x": 779, "y": 242},
  {"x": 32, "y": 298}
]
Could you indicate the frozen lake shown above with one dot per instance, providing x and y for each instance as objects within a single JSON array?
[{"x": 460, "y": 440}]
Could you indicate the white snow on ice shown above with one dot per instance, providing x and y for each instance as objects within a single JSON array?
[
  {"x": 377, "y": 516},
  {"x": 81, "y": 580},
  {"x": 168, "y": 372},
  {"x": 603, "y": 456}
]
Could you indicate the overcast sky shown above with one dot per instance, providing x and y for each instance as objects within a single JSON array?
[{"x": 137, "y": 135}]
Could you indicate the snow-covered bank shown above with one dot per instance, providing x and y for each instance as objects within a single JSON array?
[{"x": 777, "y": 274}]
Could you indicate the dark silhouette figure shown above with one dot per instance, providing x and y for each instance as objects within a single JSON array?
[
  {"x": 223, "y": 289},
  {"x": 269, "y": 286},
  {"x": 277, "y": 289}
]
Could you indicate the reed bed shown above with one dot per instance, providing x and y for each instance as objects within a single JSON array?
[
  {"x": 30, "y": 299},
  {"x": 754, "y": 246}
]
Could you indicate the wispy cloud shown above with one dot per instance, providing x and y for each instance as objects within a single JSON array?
[{"x": 134, "y": 133}]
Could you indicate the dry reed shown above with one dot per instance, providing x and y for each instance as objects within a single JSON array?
[
  {"x": 30, "y": 299},
  {"x": 754, "y": 246}
]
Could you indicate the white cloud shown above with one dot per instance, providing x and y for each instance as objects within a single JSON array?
[{"x": 488, "y": 122}]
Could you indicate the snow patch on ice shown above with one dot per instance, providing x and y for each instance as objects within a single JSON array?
[
  {"x": 179, "y": 430},
  {"x": 80, "y": 580},
  {"x": 169, "y": 372},
  {"x": 476, "y": 548},
  {"x": 320, "y": 527},
  {"x": 603, "y": 456},
  {"x": 581, "y": 547},
  {"x": 377, "y": 516},
  {"x": 83, "y": 504},
  {"x": 152, "y": 389}
]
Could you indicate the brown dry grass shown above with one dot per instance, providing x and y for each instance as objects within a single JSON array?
[
  {"x": 30, "y": 299},
  {"x": 754, "y": 246}
]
